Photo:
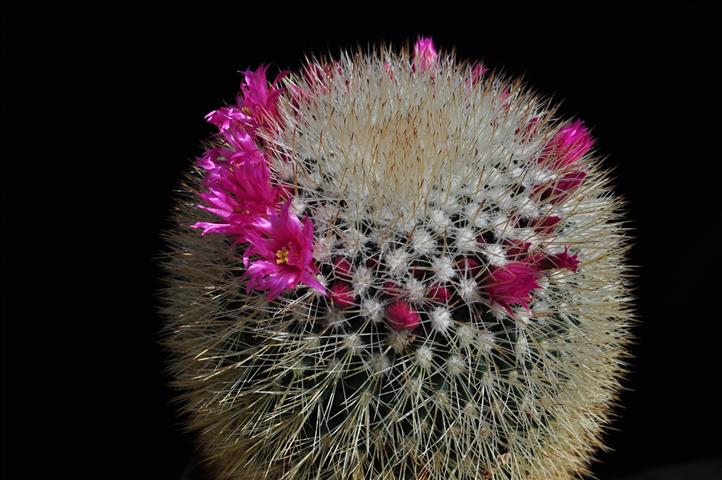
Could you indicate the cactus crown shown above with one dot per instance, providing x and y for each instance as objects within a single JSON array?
[{"x": 409, "y": 268}]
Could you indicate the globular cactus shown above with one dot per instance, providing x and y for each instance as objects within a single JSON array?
[{"x": 397, "y": 265}]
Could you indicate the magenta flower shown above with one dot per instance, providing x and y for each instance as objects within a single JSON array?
[
  {"x": 240, "y": 195},
  {"x": 227, "y": 118},
  {"x": 259, "y": 97},
  {"x": 424, "y": 54},
  {"x": 569, "y": 144},
  {"x": 240, "y": 149},
  {"x": 256, "y": 105},
  {"x": 401, "y": 316},
  {"x": 280, "y": 254},
  {"x": 214, "y": 162},
  {"x": 512, "y": 284}
]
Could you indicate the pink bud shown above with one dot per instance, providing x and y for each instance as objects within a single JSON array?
[
  {"x": 438, "y": 293},
  {"x": 531, "y": 128},
  {"x": 512, "y": 284},
  {"x": 387, "y": 69},
  {"x": 560, "y": 190},
  {"x": 342, "y": 268},
  {"x": 569, "y": 144},
  {"x": 504, "y": 98},
  {"x": 391, "y": 289},
  {"x": 546, "y": 225},
  {"x": 467, "y": 265},
  {"x": 477, "y": 72},
  {"x": 570, "y": 181},
  {"x": 400, "y": 316},
  {"x": 342, "y": 295},
  {"x": 424, "y": 54},
  {"x": 419, "y": 271},
  {"x": 544, "y": 261},
  {"x": 372, "y": 261}
]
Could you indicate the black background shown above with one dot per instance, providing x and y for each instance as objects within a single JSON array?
[{"x": 103, "y": 111}]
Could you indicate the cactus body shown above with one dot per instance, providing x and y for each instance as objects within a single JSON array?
[{"x": 422, "y": 277}]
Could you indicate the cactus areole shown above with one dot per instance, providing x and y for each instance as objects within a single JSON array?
[{"x": 396, "y": 265}]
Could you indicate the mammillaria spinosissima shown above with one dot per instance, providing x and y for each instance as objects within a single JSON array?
[{"x": 396, "y": 265}]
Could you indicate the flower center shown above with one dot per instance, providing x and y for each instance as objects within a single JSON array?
[{"x": 282, "y": 256}]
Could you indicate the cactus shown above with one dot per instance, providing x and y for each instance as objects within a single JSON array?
[{"x": 396, "y": 265}]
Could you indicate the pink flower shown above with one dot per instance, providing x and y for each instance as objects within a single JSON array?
[
  {"x": 512, "y": 284},
  {"x": 227, "y": 118},
  {"x": 214, "y": 162},
  {"x": 256, "y": 106},
  {"x": 342, "y": 295},
  {"x": 259, "y": 97},
  {"x": 240, "y": 195},
  {"x": 401, "y": 316},
  {"x": 569, "y": 144},
  {"x": 424, "y": 54},
  {"x": 240, "y": 148},
  {"x": 280, "y": 254}
]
